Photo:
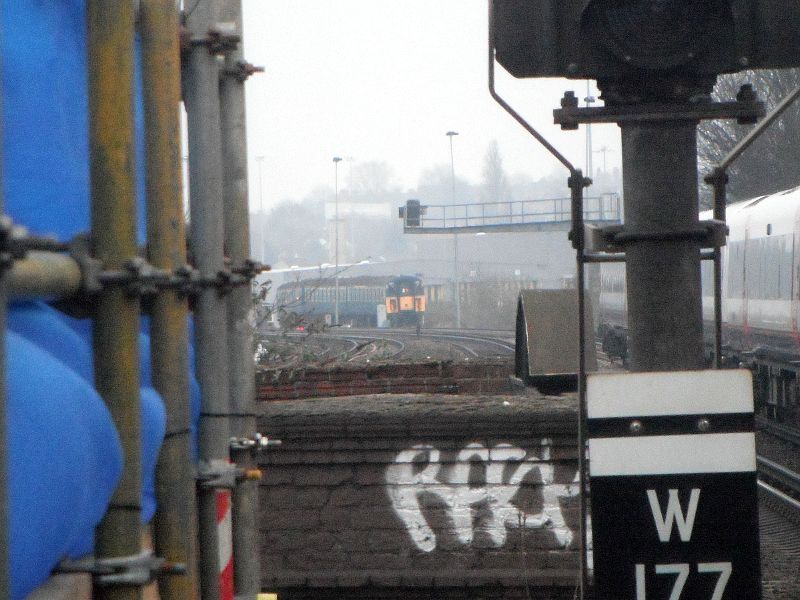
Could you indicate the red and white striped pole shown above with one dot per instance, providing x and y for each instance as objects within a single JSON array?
[{"x": 225, "y": 544}]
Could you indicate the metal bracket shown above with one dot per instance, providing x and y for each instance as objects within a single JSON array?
[
  {"x": 137, "y": 570},
  {"x": 613, "y": 238},
  {"x": 257, "y": 443},
  {"x": 140, "y": 278},
  {"x": 250, "y": 268},
  {"x": 243, "y": 70},
  {"x": 221, "y": 38},
  {"x": 218, "y": 474},
  {"x": 746, "y": 109},
  {"x": 16, "y": 241}
]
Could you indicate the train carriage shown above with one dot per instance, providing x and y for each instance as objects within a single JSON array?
[
  {"x": 760, "y": 299},
  {"x": 405, "y": 301},
  {"x": 313, "y": 301}
]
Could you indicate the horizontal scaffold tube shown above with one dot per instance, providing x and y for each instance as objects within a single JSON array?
[{"x": 47, "y": 275}]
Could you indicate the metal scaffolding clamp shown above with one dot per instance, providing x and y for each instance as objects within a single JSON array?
[
  {"x": 226, "y": 280},
  {"x": 258, "y": 443},
  {"x": 250, "y": 268},
  {"x": 221, "y": 38},
  {"x": 243, "y": 70},
  {"x": 217, "y": 474},
  {"x": 613, "y": 238},
  {"x": 140, "y": 278},
  {"x": 15, "y": 242},
  {"x": 747, "y": 108},
  {"x": 137, "y": 570}
]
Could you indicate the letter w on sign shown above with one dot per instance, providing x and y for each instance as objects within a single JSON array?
[{"x": 674, "y": 514}]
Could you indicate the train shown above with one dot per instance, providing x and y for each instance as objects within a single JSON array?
[
  {"x": 308, "y": 302},
  {"x": 760, "y": 300},
  {"x": 405, "y": 301}
]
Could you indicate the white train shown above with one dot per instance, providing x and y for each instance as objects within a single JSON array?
[{"x": 760, "y": 299}]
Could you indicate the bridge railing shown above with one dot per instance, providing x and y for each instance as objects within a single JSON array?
[{"x": 542, "y": 211}]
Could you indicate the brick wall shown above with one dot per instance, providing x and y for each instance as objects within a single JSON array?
[
  {"x": 447, "y": 377},
  {"x": 417, "y": 492}
]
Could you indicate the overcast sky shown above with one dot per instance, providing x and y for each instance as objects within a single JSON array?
[{"x": 384, "y": 80}]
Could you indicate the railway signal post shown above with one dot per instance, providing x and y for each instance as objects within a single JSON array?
[
  {"x": 673, "y": 478},
  {"x": 656, "y": 62}
]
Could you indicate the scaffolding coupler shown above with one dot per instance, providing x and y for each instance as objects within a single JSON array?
[
  {"x": 16, "y": 242},
  {"x": 258, "y": 443},
  {"x": 242, "y": 70},
  {"x": 140, "y": 278},
  {"x": 222, "y": 475},
  {"x": 134, "y": 571},
  {"x": 220, "y": 38}
]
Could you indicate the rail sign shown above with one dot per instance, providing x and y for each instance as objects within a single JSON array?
[{"x": 672, "y": 469}]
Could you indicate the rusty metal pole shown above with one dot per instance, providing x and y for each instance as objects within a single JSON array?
[
  {"x": 201, "y": 96},
  {"x": 175, "y": 522},
  {"x": 247, "y": 566},
  {"x": 116, "y": 313}
]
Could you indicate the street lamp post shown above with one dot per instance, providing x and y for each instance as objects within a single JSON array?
[
  {"x": 261, "y": 255},
  {"x": 456, "y": 294},
  {"x": 336, "y": 161}
]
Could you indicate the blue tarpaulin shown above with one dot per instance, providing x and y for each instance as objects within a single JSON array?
[{"x": 65, "y": 456}]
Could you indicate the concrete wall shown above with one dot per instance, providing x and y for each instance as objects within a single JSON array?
[{"x": 420, "y": 491}]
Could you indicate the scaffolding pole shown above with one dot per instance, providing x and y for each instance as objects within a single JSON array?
[
  {"x": 201, "y": 95},
  {"x": 175, "y": 522},
  {"x": 116, "y": 313},
  {"x": 247, "y": 568}
]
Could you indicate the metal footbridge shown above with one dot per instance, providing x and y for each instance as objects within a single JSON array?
[{"x": 543, "y": 214}]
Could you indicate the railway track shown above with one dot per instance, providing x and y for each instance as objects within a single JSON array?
[
  {"x": 782, "y": 432},
  {"x": 778, "y": 480},
  {"x": 367, "y": 349},
  {"x": 440, "y": 344},
  {"x": 779, "y": 489}
]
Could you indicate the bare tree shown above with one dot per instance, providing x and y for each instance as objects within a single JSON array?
[
  {"x": 772, "y": 163},
  {"x": 293, "y": 231},
  {"x": 435, "y": 186},
  {"x": 495, "y": 183},
  {"x": 371, "y": 180}
]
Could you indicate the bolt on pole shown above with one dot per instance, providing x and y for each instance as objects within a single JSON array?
[
  {"x": 201, "y": 96},
  {"x": 113, "y": 220},
  {"x": 247, "y": 566}
]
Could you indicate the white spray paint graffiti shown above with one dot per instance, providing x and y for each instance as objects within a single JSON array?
[{"x": 406, "y": 482}]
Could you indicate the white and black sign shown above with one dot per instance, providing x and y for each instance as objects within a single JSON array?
[{"x": 673, "y": 486}]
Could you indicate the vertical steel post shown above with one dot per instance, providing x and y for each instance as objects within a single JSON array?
[
  {"x": 576, "y": 184},
  {"x": 336, "y": 161},
  {"x": 719, "y": 180},
  {"x": 456, "y": 287},
  {"x": 665, "y": 317},
  {"x": 247, "y": 567},
  {"x": 175, "y": 522},
  {"x": 201, "y": 96},
  {"x": 116, "y": 324}
]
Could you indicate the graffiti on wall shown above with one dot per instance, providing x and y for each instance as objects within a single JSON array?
[{"x": 484, "y": 503}]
